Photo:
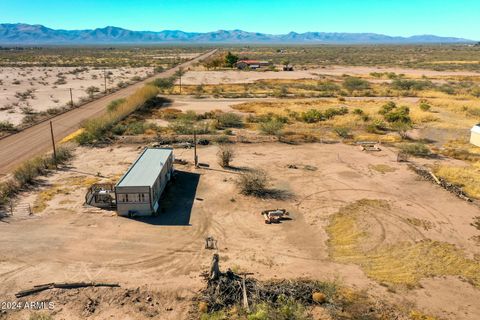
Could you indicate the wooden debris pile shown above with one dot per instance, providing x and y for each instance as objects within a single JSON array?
[
  {"x": 70, "y": 285},
  {"x": 430, "y": 176},
  {"x": 225, "y": 290}
]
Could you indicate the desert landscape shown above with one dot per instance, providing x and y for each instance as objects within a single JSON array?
[{"x": 372, "y": 162}]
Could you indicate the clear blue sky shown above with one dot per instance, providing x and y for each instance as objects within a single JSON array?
[{"x": 458, "y": 18}]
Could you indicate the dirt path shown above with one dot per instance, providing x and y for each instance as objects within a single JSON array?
[{"x": 35, "y": 140}]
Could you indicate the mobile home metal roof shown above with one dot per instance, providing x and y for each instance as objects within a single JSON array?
[
  {"x": 476, "y": 128},
  {"x": 145, "y": 170}
]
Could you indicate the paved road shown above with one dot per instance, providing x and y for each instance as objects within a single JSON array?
[{"x": 37, "y": 140}]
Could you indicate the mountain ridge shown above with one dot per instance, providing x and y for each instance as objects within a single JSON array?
[{"x": 21, "y": 33}]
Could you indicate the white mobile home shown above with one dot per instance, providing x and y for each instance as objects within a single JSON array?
[
  {"x": 475, "y": 135},
  {"x": 138, "y": 191}
]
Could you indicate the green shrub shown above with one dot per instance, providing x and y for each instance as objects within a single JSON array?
[
  {"x": 199, "y": 91},
  {"x": 416, "y": 149},
  {"x": 135, "y": 128},
  {"x": 425, "y": 106},
  {"x": 8, "y": 189},
  {"x": 112, "y": 106},
  {"x": 386, "y": 108},
  {"x": 31, "y": 169},
  {"x": 190, "y": 115},
  {"x": 332, "y": 112},
  {"x": 377, "y": 127},
  {"x": 96, "y": 129},
  {"x": 402, "y": 128},
  {"x": 475, "y": 92},
  {"x": 229, "y": 120},
  {"x": 400, "y": 114},
  {"x": 181, "y": 126},
  {"x": 40, "y": 316},
  {"x": 273, "y": 127},
  {"x": 7, "y": 126},
  {"x": 358, "y": 112},
  {"x": 119, "y": 129},
  {"x": 282, "y": 92},
  {"x": 445, "y": 88},
  {"x": 342, "y": 132},
  {"x": 283, "y": 309},
  {"x": 230, "y": 59},
  {"x": 92, "y": 90},
  {"x": 312, "y": 116},
  {"x": 164, "y": 83},
  {"x": 327, "y": 87},
  {"x": 355, "y": 84},
  {"x": 416, "y": 85}
]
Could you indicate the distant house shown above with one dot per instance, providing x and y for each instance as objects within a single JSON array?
[
  {"x": 138, "y": 191},
  {"x": 251, "y": 64},
  {"x": 475, "y": 135}
]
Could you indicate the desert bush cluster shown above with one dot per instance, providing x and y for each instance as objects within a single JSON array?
[
  {"x": 95, "y": 129},
  {"x": 27, "y": 173}
]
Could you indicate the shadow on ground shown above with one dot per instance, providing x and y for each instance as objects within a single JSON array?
[{"x": 177, "y": 201}]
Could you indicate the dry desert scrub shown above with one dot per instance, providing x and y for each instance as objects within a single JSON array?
[
  {"x": 401, "y": 263},
  {"x": 467, "y": 177},
  {"x": 95, "y": 129},
  {"x": 27, "y": 173},
  {"x": 253, "y": 183},
  {"x": 67, "y": 186},
  {"x": 225, "y": 155}
]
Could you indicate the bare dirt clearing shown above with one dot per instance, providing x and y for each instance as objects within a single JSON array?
[
  {"x": 237, "y": 76},
  {"x": 42, "y": 88},
  {"x": 68, "y": 242}
]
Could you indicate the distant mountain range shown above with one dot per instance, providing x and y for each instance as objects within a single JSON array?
[{"x": 26, "y": 34}]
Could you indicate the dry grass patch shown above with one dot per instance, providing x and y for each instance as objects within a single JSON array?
[
  {"x": 382, "y": 168},
  {"x": 403, "y": 263},
  {"x": 41, "y": 202},
  {"x": 467, "y": 177},
  {"x": 65, "y": 187},
  {"x": 425, "y": 224}
]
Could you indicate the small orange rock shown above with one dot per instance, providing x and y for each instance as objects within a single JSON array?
[
  {"x": 203, "y": 307},
  {"x": 318, "y": 297}
]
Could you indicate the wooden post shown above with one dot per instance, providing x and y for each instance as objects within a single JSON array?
[
  {"x": 71, "y": 98},
  {"x": 245, "y": 299},
  {"x": 53, "y": 145},
  {"x": 195, "y": 157}
]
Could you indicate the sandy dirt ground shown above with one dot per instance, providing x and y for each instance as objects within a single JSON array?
[
  {"x": 48, "y": 92},
  {"x": 190, "y": 103},
  {"x": 164, "y": 255},
  {"x": 187, "y": 103},
  {"x": 237, "y": 76}
]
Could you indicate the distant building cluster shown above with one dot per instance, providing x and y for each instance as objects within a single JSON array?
[{"x": 251, "y": 64}]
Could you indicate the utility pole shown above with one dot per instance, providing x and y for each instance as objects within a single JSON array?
[
  {"x": 71, "y": 98},
  {"x": 53, "y": 145},
  {"x": 105, "y": 79},
  {"x": 180, "y": 80},
  {"x": 195, "y": 157}
]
